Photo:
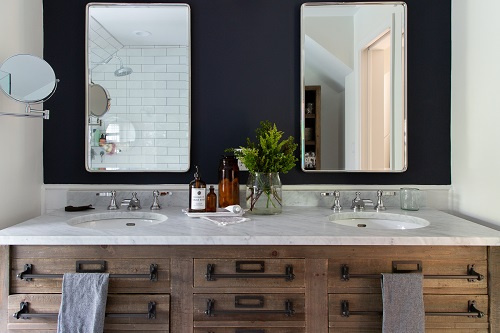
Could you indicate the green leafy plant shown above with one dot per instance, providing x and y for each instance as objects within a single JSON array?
[{"x": 269, "y": 153}]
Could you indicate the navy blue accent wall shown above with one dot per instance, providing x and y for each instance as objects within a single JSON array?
[{"x": 246, "y": 68}]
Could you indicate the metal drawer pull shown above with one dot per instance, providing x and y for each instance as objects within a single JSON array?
[
  {"x": 471, "y": 276},
  {"x": 28, "y": 275},
  {"x": 473, "y": 312},
  {"x": 241, "y": 301},
  {"x": 210, "y": 311},
  {"x": 25, "y": 314},
  {"x": 260, "y": 264},
  {"x": 101, "y": 263},
  {"x": 211, "y": 276}
]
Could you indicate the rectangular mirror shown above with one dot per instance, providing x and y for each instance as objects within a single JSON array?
[
  {"x": 138, "y": 87},
  {"x": 353, "y": 87}
]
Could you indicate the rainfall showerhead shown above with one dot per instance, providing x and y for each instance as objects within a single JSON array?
[{"x": 122, "y": 71}]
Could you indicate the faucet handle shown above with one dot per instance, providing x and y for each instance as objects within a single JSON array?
[
  {"x": 112, "y": 194},
  {"x": 336, "y": 207},
  {"x": 358, "y": 203},
  {"x": 380, "y": 204}
]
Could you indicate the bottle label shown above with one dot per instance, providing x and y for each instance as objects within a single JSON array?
[{"x": 198, "y": 196}]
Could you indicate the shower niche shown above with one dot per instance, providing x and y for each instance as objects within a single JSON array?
[{"x": 138, "y": 87}]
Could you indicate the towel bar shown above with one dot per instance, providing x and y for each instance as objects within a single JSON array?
[
  {"x": 471, "y": 276},
  {"x": 24, "y": 313},
  {"x": 472, "y": 311},
  {"x": 28, "y": 275},
  {"x": 250, "y": 274}
]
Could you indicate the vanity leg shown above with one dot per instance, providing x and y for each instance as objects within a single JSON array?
[
  {"x": 4, "y": 287},
  {"x": 494, "y": 287}
]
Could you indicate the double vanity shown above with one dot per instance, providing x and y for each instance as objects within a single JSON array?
[{"x": 306, "y": 270}]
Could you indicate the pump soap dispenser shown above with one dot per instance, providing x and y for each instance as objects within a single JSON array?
[{"x": 197, "y": 194}]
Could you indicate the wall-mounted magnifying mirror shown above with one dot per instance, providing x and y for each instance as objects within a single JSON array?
[
  {"x": 28, "y": 79},
  {"x": 138, "y": 87},
  {"x": 353, "y": 87},
  {"x": 99, "y": 100}
]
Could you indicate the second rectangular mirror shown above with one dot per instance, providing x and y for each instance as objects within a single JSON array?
[
  {"x": 353, "y": 115},
  {"x": 138, "y": 87}
]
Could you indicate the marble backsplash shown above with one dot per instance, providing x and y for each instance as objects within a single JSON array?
[{"x": 294, "y": 197}]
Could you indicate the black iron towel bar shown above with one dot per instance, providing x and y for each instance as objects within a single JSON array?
[
  {"x": 28, "y": 274},
  {"x": 249, "y": 274},
  {"x": 472, "y": 311},
  {"x": 471, "y": 275},
  {"x": 24, "y": 313}
]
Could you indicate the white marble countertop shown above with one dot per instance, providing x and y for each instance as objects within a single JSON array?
[{"x": 295, "y": 226}]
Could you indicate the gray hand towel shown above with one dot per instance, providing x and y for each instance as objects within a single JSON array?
[
  {"x": 83, "y": 303},
  {"x": 403, "y": 301}
]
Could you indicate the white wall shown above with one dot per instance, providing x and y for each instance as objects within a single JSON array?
[
  {"x": 475, "y": 122},
  {"x": 21, "y": 31}
]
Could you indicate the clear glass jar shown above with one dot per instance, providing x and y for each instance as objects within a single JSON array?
[{"x": 264, "y": 193}]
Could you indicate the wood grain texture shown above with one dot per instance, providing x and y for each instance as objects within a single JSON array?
[
  {"x": 182, "y": 295},
  {"x": 4, "y": 285},
  {"x": 316, "y": 297}
]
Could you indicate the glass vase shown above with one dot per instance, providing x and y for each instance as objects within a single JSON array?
[{"x": 263, "y": 193}]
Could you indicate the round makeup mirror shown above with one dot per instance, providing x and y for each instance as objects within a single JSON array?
[
  {"x": 27, "y": 78},
  {"x": 99, "y": 100}
]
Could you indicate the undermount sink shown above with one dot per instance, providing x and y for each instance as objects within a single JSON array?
[
  {"x": 377, "y": 220},
  {"x": 117, "y": 220}
]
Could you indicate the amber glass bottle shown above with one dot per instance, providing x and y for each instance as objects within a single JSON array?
[
  {"x": 211, "y": 200},
  {"x": 229, "y": 187},
  {"x": 197, "y": 194}
]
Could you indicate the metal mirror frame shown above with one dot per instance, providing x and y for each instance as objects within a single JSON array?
[
  {"x": 89, "y": 123},
  {"x": 303, "y": 86}
]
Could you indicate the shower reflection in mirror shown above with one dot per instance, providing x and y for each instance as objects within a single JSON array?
[{"x": 138, "y": 91}]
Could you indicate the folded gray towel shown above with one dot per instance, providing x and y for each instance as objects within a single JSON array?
[
  {"x": 403, "y": 301},
  {"x": 83, "y": 303}
]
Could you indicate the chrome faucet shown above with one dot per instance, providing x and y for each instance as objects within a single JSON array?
[
  {"x": 156, "y": 203},
  {"x": 132, "y": 204},
  {"x": 380, "y": 204},
  {"x": 112, "y": 194},
  {"x": 336, "y": 207},
  {"x": 358, "y": 204}
]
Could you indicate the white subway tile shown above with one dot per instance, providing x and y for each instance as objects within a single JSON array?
[
  {"x": 145, "y": 127},
  {"x": 154, "y": 117},
  {"x": 134, "y": 52},
  {"x": 154, "y": 151},
  {"x": 166, "y": 76},
  {"x": 177, "y": 85},
  {"x": 167, "y": 142},
  {"x": 141, "y": 60},
  {"x": 177, "y": 101},
  {"x": 179, "y": 51},
  {"x": 154, "y": 101},
  {"x": 177, "y": 68},
  {"x": 173, "y": 60},
  {"x": 134, "y": 101},
  {"x": 154, "y": 84},
  {"x": 183, "y": 142},
  {"x": 141, "y": 93},
  {"x": 167, "y": 126},
  {"x": 154, "y": 68},
  {"x": 135, "y": 76},
  {"x": 154, "y": 52},
  {"x": 167, "y": 159},
  {"x": 177, "y": 134},
  {"x": 166, "y": 93},
  {"x": 178, "y": 151},
  {"x": 167, "y": 109}
]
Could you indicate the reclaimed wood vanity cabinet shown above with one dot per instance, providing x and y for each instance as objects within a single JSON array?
[{"x": 253, "y": 289}]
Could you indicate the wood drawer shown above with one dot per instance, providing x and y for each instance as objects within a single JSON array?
[
  {"x": 441, "y": 263},
  {"x": 257, "y": 308},
  {"x": 120, "y": 267},
  {"x": 133, "y": 304},
  {"x": 249, "y": 330},
  {"x": 251, "y": 273},
  {"x": 432, "y": 303}
]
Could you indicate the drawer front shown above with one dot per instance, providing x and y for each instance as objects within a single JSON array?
[
  {"x": 249, "y": 330},
  {"x": 252, "y": 273},
  {"x": 248, "y": 307},
  {"x": 440, "y": 276},
  {"x": 433, "y": 304},
  {"x": 121, "y": 268},
  {"x": 116, "y": 304}
]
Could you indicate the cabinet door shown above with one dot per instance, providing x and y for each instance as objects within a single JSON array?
[
  {"x": 434, "y": 305},
  {"x": 141, "y": 268},
  {"x": 251, "y": 273},
  {"x": 116, "y": 304}
]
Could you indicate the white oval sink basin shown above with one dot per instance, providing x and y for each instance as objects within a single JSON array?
[
  {"x": 117, "y": 220},
  {"x": 376, "y": 220}
]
